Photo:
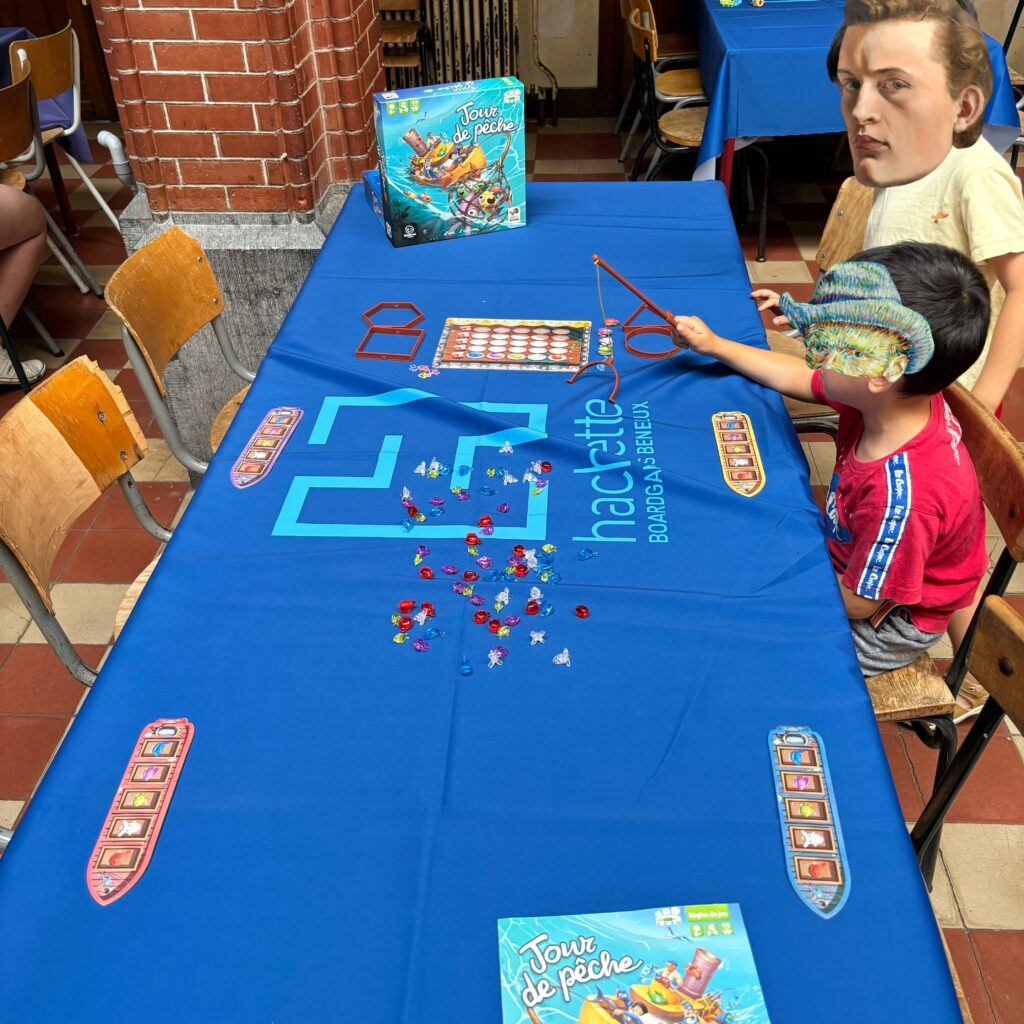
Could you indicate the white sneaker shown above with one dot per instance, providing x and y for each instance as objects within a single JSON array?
[{"x": 34, "y": 369}]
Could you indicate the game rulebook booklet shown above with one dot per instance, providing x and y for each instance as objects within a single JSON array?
[{"x": 689, "y": 964}]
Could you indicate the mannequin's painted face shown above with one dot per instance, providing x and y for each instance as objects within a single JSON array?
[
  {"x": 856, "y": 350},
  {"x": 895, "y": 100}
]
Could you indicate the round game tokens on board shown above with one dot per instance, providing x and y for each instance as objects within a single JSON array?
[{"x": 513, "y": 344}]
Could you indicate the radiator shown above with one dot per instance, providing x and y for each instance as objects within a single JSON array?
[{"x": 468, "y": 39}]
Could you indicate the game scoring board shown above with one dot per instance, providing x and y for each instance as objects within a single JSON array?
[{"x": 513, "y": 344}]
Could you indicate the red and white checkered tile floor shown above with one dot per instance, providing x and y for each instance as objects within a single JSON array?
[{"x": 979, "y": 887}]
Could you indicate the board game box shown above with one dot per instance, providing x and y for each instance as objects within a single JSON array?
[
  {"x": 513, "y": 344},
  {"x": 691, "y": 964},
  {"x": 452, "y": 159}
]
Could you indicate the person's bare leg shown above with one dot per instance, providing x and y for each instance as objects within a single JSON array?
[{"x": 22, "y": 245}]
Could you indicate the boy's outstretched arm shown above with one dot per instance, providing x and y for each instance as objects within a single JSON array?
[{"x": 775, "y": 370}]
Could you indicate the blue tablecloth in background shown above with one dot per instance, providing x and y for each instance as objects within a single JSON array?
[
  {"x": 763, "y": 69},
  {"x": 58, "y": 111},
  {"x": 354, "y": 816}
]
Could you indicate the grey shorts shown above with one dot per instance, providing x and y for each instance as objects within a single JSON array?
[{"x": 896, "y": 642}]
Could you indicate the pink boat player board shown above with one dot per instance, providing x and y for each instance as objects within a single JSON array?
[
  {"x": 136, "y": 815},
  {"x": 260, "y": 454}
]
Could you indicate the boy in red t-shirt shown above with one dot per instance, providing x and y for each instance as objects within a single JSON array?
[{"x": 885, "y": 332}]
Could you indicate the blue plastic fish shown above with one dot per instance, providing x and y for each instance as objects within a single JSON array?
[{"x": 586, "y": 553}]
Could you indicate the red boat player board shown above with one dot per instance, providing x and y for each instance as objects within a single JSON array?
[
  {"x": 133, "y": 823},
  {"x": 513, "y": 344}
]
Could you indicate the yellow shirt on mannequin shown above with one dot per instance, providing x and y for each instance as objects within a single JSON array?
[{"x": 971, "y": 202}]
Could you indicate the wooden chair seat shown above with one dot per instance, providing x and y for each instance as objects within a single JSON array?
[
  {"x": 398, "y": 33},
  {"x": 1016, "y": 78},
  {"x": 684, "y": 127},
  {"x": 49, "y": 134},
  {"x": 131, "y": 595},
  {"x": 917, "y": 690},
  {"x": 15, "y": 179},
  {"x": 678, "y": 44},
  {"x": 223, "y": 419},
  {"x": 1020, "y": 116},
  {"x": 679, "y": 83}
]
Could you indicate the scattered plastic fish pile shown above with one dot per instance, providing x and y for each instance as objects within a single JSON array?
[{"x": 530, "y": 565}]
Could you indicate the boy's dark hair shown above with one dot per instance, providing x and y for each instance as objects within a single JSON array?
[
  {"x": 947, "y": 289},
  {"x": 961, "y": 44}
]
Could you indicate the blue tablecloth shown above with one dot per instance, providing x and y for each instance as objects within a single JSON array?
[
  {"x": 54, "y": 112},
  {"x": 764, "y": 71},
  {"x": 354, "y": 815}
]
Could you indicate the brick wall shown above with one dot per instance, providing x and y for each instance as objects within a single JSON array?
[{"x": 243, "y": 105}]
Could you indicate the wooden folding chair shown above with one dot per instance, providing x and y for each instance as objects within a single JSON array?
[
  {"x": 19, "y": 138},
  {"x": 56, "y": 68},
  {"x": 21, "y": 68},
  {"x": 842, "y": 238},
  {"x": 63, "y": 445},
  {"x": 919, "y": 693},
  {"x": 164, "y": 293}
]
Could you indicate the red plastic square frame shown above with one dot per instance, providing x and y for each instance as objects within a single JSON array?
[{"x": 407, "y": 332}]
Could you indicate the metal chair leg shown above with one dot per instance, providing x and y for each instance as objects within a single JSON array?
[
  {"x": 655, "y": 160},
  {"x": 641, "y": 153},
  {"x": 43, "y": 333},
  {"x": 625, "y": 108},
  {"x": 44, "y": 619},
  {"x": 159, "y": 407},
  {"x": 130, "y": 490},
  {"x": 946, "y": 740},
  {"x": 629, "y": 138},
  {"x": 69, "y": 250},
  {"x": 59, "y": 189},
  {"x": 925, "y": 834},
  {"x": 87, "y": 182},
  {"x": 63, "y": 261},
  {"x": 19, "y": 370}
]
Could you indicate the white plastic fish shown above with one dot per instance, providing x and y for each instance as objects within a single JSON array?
[
  {"x": 434, "y": 469},
  {"x": 501, "y": 600},
  {"x": 494, "y": 657},
  {"x": 536, "y": 637},
  {"x": 534, "y": 467},
  {"x": 421, "y": 616},
  {"x": 811, "y": 839},
  {"x": 507, "y": 478},
  {"x": 530, "y": 557},
  {"x": 506, "y": 448},
  {"x": 563, "y": 658},
  {"x": 129, "y": 828},
  {"x": 536, "y": 594},
  {"x": 529, "y": 478},
  {"x": 421, "y": 469},
  {"x": 406, "y": 494}
]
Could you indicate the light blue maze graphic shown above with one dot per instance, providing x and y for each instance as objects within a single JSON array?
[{"x": 290, "y": 523}]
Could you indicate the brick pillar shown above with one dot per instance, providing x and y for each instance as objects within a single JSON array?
[{"x": 243, "y": 105}]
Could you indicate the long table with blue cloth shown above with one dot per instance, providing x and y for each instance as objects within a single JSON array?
[
  {"x": 763, "y": 69},
  {"x": 355, "y": 814}
]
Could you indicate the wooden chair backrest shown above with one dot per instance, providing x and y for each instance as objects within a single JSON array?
[
  {"x": 996, "y": 657},
  {"x": 639, "y": 35},
  {"x": 52, "y": 62},
  {"x": 848, "y": 220},
  {"x": 17, "y": 127},
  {"x": 999, "y": 463},
  {"x": 164, "y": 293},
  {"x": 63, "y": 445},
  {"x": 625, "y": 7}
]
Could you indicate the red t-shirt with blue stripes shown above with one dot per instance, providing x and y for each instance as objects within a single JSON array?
[{"x": 910, "y": 527}]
